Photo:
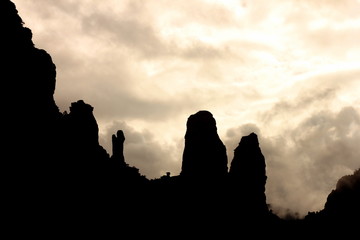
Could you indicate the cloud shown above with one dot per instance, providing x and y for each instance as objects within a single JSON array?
[
  {"x": 324, "y": 32},
  {"x": 128, "y": 32},
  {"x": 300, "y": 103},
  {"x": 135, "y": 29},
  {"x": 323, "y": 89},
  {"x": 305, "y": 162},
  {"x": 335, "y": 134}
]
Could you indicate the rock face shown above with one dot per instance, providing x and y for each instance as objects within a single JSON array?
[
  {"x": 28, "y": 78},
  {"x": 204, "y": 153}
]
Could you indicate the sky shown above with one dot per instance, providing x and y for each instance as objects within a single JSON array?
[{"x": 287, "y": 70}]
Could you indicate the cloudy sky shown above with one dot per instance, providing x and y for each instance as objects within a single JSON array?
[{"x": 287, "y": 70}]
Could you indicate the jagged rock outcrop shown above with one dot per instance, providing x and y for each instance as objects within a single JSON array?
[
  {"x": 80, "y": 147},
  {"x": 82, "y": 131},
  {"x": 204, "y": 153}
]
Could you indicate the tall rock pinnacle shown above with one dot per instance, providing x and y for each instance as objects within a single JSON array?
[
  {"x": 118, "y": 147},
  {"x": 248, "y": 174},
  {"x": 204, "y": 153},
  {"x": 249, "y": 162}
]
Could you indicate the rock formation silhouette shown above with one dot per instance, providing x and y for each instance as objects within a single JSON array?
[
  {"x": 248, "y": 176},
  {"x": 204, "y": 153},
  {"x": 342, "y": 207},
  {"x": 55, "y": 165},
  {"x": 28, "y": 76},
  {"x": 118, "y": 147},
  {"x": 57, "y": 171},
  {"x": 344, "y": 201}
]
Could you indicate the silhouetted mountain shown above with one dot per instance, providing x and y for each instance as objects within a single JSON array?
[{"x": 57, "y": 172}]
